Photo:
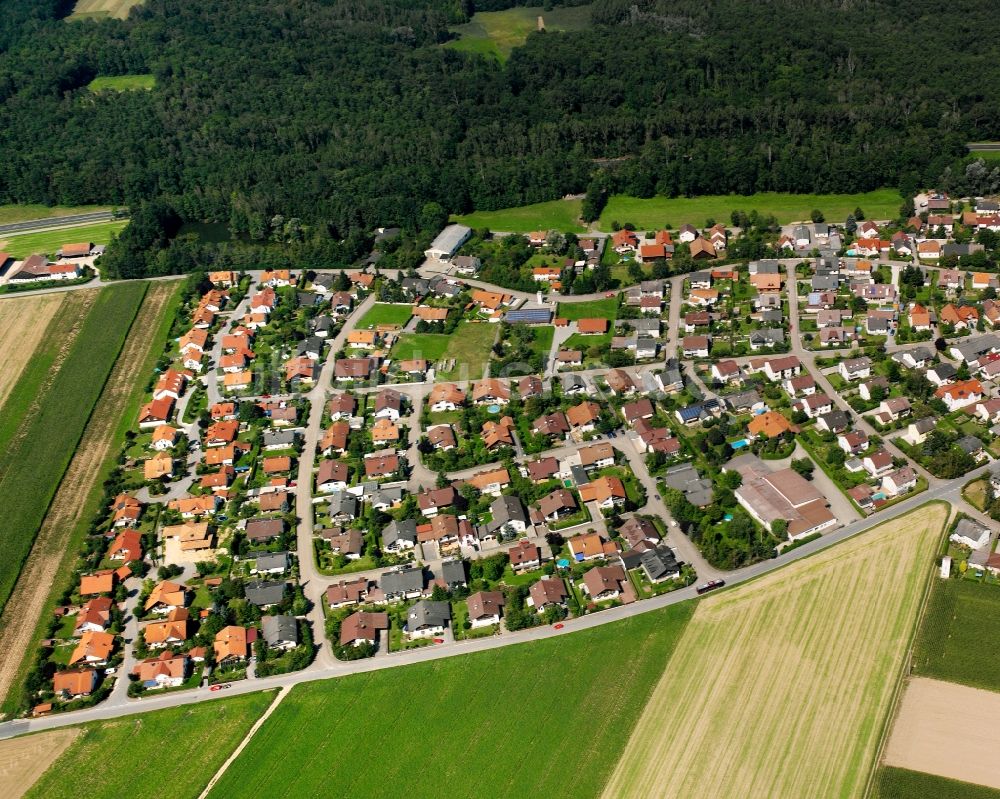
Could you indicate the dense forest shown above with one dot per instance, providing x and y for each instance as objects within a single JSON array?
[{"x": 346, "y": 114}]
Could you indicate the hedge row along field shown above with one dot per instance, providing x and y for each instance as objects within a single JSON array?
[
  {"x": 49, "y": 567},
  {"x": 37, "y": 445},
  {"x": 545, "y": 718}
]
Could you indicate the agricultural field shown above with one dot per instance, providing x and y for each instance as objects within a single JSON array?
[
  {"x": 382, "y": 313},
  {"x": 23, "y": 213},
  {"x": 25, "y": 759},
  {"x": 99, "y": 9},
  {"x": 122, "y": 83},
  {"x": 48, "y": 567},
  {"x": 900, "y": 783},
  {"x": 561, "y": 215},
  {"x": 20, "y": 245},
  {"x": 497, "y": 33},
  {"x": 760, "y": 700},
  {"x": 606, "y": 308},
  {"x": 656, "y": 212},
  {"x": 552, "y": 727},
  {"x": 41, "y": 428},
  {"x": 959, "y": 634},
  {"x": 23, "y": 322},
  {"x": 127, "y": 756},
  {"x": 948, "y": 730},
  {"x": 470, "y": 347}
]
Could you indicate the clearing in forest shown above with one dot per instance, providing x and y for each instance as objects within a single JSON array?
[
  {"x": 100, "y": 9},
  {"x": 781, "y": 687}
]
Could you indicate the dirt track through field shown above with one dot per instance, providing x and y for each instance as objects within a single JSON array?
[
  {"x": 36, "y": 580},
  {"x": 947, "y": 729},
  {"x": 23, "y": 322},
  {"x": 780, "y": 687},
  {"x": 24, "y": 760}
]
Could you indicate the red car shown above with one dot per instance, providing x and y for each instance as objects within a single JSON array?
[
  {"x": 610, "y": 294},
  {"x": 439, "y": 640},
  {"x": 558, "y": 626}
]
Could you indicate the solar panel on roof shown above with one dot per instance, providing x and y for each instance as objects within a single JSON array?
[{"x": 531, "y": 315}]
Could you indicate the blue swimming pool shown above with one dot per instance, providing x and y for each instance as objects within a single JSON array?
[
  {"x": 739, "y": 444},
  {"x": 493, "y": 409}
]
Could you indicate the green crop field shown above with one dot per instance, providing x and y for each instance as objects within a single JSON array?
[
  {"x": 561, "y": 215},
  {"x": 20, "y": 245},
  {"x": 22, "y": 213},
  {"x": 960, "y": 634},
  {"x": 37, "y": 445},
  {"x": 430, "y": 346},
  {"x": 139, "y": 756},
  {"x": 901, "y": 783},
  {"x": 547, "y": 718},
  {"x": 657, "y": 212},
  {"x": 122, "y": 83},
  {"x": 470, "y": 346},
  {"x": 496, "y": 33},
  {"x": 385, "y": 314},
  {"x": 605, "y": 308}
]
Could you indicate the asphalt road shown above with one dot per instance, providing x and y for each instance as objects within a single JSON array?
[{"x": 55, "y": 222}]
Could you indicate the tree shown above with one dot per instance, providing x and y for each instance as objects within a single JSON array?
[
  {"x": 859, "y": 214},
  {"x": 851, "y": 225},
  {"x": 803, "y": 467},
  {"x": 779, "y": 529},
  {"x": 816, "y": 215},
  {"x": 433, "y": 217}
]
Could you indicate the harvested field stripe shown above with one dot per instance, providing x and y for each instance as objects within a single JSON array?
[
  {"x": 23, "y": 323},
  {"x": 23, "y": 760},
  {"x": 34, "y": 461},
  {"x": 53, "y": 556},
  {"x": 781, "y": 687}
]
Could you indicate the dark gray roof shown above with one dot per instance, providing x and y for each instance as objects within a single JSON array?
[
  {"x": 835, "y": 420},
  {"x": 969, "y": 444},
  {"x": 659, "y": 563},
  {"x": 280, "y": 438},
  {"x": 507, "y": 509},
  {"x": 428, "y": 613},
  {"x": 405, "y": 530},
  {"x": 280, "y": 630},
  {"x": 768, "y": 336},
  {"x": 263, "y": 594},
  {"x": 404, "y": 581},
  {"x": 453, "y": 573},
  {"x": 272, "y": 560}
]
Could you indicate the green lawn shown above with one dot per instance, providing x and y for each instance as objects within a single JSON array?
[
  {"x": 187, "y": 743},
  {"x": 606, "y": 308},
  {"x": 420, "y": 345},
  {"x": 555, "y": 215},
  {"x": 562, "y": 709},
  {"x": 47, "y": 242},
  {"x": 386, "y": 314},
  {"x": 656, "y": 212},
  {"x": 960, "y": 634},
  {"x": 22, "y": 213},
  {"x": 122, "y": 83},
  {"x": 901, "y": 783},
  {"x": 542, "y": 342},
  {"x": 470, "y": 346},
  {"x": 496, "y": 33},
  {"x": 36, "y": 448}
]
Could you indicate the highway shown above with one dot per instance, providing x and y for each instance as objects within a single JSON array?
[{"x": 56, "y": 222}]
